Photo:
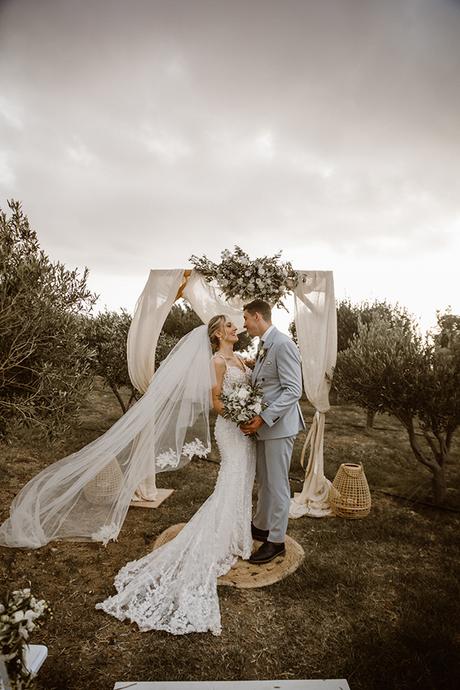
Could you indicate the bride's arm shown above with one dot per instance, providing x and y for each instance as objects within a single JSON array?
[{"x": 219, "y": 366}]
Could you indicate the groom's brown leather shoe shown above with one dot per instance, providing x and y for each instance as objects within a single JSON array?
[
  {"x": 267, "y": 552},
  {"x": 259, "y": 534}
]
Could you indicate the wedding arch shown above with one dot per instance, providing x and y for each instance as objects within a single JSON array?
[{"x": 316, "y": 326}]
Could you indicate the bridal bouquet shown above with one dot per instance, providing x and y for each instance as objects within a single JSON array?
[
  {"x": 242, "y": 402},
  {"x": 19, "y": 615}
]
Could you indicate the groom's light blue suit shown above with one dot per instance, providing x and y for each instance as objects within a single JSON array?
[{"x": 279, "y": 374}]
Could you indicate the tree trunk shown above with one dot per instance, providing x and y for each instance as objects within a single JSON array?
[
  {"x": 370, "y": 420},
  {"x": 439, "y": 485},
  {"x": 132, "y": 397},
  {"x": 435, "y": 465},
  {"x": 117, "y": 395}
]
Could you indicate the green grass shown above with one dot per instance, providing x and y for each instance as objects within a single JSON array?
[{"x": 375, "y": 601}]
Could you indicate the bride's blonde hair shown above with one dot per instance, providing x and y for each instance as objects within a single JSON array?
[{"x": 213, "y": 326}]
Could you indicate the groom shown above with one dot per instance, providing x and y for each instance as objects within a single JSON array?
[{"x": 278, "y": 372}]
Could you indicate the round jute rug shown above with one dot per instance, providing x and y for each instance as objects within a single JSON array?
[{"x": 243, "y": 574}]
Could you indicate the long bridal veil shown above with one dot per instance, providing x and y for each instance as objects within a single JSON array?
[{"x": 85, "y": 496}]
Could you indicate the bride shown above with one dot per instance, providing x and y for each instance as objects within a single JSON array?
[{"x": 174, "y": 588}]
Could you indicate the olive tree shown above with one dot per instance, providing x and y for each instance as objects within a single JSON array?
[
  {"x": 389, "y": 367},
  {"x": 106, "y": 335},
  {"x": 349, "y": 316},
  {"x": 44, "y": 369}
]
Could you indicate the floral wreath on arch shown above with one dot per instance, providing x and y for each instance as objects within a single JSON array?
[{"x": 238, "y": 275}]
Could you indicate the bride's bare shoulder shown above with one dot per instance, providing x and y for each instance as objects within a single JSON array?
[{"x": 219, "y": 362}]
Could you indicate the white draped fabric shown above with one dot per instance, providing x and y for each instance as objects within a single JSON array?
[
  {"x": 207, "y": 300},
  {"x": 150, "y": 312},
  {"x": 316, "y": 326}
]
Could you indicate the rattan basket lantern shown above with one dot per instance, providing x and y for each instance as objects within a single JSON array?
[
  {"x": 106, "y": 484},
  {"x": 349, "y": 495}
]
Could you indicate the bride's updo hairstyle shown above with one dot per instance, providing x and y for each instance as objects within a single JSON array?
[{"x": 213, "y": 326}]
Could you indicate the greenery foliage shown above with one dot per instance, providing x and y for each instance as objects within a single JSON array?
[
  {"x": 350, "y": 315},
  {"x": 448, "y": 329},
  {"x": 44, "y": 369},
  {"x": 180, "y": 321}
]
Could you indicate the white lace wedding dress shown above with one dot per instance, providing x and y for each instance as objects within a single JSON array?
[{"x": 174, "y": 587}]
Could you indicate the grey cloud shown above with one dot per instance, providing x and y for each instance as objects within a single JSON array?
[{"x": 202, "y": 124}]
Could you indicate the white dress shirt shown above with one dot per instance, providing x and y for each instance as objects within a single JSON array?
[{"x": 263, "y": 337}]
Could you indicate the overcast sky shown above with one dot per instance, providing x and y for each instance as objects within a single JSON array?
[{"x": 138, "y": 133}]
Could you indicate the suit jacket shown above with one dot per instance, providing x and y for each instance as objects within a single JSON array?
[{"x": 279, "y": 374}]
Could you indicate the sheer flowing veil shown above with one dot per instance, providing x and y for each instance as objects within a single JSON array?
[{"x": 85, "y": 496}]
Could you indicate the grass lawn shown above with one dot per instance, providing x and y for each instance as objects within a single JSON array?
[{"x": 376, "y": 600}]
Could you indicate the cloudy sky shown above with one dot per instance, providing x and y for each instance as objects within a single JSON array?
[{"x": 137, "y": 133}]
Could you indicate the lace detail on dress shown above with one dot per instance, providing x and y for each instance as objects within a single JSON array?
[{"x": 174, "y": 588}]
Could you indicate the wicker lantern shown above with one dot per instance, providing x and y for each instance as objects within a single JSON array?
[
  {"x": 349, "y": 495},
  {"x": 105, "y": 486}
]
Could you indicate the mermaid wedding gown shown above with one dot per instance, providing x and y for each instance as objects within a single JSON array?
[{"x": 174, "y": 588}]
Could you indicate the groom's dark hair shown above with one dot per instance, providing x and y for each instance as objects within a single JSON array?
[{"x": 260, "y": 306}]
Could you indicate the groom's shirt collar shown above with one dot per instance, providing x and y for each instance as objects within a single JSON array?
[{"x": 264, "y": 336}]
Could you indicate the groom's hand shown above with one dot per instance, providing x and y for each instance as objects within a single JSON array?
[{"x": 252, "y": 426}]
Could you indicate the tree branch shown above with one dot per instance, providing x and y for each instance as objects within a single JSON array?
[{"x": 432, "y": 465}]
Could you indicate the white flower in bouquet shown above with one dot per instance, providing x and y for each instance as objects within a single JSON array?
[
  {"x": 242, "y": 402},
  {"x": 18, "y": 617}
]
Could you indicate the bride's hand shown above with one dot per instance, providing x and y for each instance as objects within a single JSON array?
[
  {"x": 250, "y": 363},
  {"x": 251, "y": 427}
]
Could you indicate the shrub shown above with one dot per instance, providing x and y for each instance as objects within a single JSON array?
[{"x": 44, "y": 369}]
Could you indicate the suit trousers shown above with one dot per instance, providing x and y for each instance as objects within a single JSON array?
[{"x": 274, "y": 493}]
